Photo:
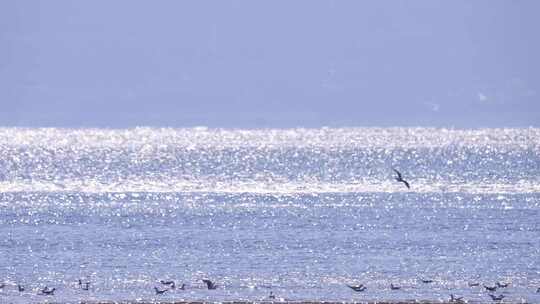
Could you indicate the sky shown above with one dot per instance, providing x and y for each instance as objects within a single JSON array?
[{"x": 269, "y": 64}]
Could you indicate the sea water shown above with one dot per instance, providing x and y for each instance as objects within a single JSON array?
[{"x": 300, "y": 213}]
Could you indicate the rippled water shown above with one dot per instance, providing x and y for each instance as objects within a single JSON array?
[{"x": 300, "y": 212}]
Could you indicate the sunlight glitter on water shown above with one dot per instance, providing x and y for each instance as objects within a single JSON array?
[
  {"x": 301, "y": 212},
  {"x": 261, "y": 187},
  {"x": 270, "y": 161}
]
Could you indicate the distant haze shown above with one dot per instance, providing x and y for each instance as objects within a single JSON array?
[{"x": 258, "y": 64}]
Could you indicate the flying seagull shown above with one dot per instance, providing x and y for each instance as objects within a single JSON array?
[
  {"x": 158, "y": 291},
  {"x": 399, "y": 178}
]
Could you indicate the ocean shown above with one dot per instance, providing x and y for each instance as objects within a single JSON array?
[{"x": 301, "y": 213}]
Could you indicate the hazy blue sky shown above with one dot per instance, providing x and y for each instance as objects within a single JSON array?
[{"x": 269, "y": 63}]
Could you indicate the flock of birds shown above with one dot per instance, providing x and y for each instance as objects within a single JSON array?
[
  {"x": 453, "y": 298},
  {"x": 357, "y": 288},
  {"x": 46, "y": 291},
  {"x": 170, "y": 284},
  {"x": 209, "y": 284}
]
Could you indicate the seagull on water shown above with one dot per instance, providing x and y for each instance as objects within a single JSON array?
[
  {"x": 394, "y": 287},
  {"x": 48, "y": 292},
  {"x": 159, "y": 292},
  {"x": 473, "y": 284},
  {"x": 170, "y": 283},
  {"x": 20, "y": 287},
  {"x": 399, "y": 178},
  {"x": 496, "y": 298},
  {"x": 209, "y": 284},
  {"x": 502, "y": 285},
  {"x": 426, "y": 281},
  {"x": 84, "y": 286},
  {"x": 489, "y": 288},
  {"x": 271, "y": 296},
  {"x": 357, "y": 288},
  {"x": 456, "y": 299}
]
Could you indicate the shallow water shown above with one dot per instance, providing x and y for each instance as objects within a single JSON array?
[{"x": 299, "y": 212}]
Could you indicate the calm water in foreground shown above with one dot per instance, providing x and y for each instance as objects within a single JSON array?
[{"x": 299, "y": 212}]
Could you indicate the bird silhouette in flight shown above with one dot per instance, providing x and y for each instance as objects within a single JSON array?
[{"x": 399, "y": 178}]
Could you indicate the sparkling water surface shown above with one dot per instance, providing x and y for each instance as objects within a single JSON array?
[{"x": 299, "y": 212}]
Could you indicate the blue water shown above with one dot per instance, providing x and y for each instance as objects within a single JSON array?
[{"x": 299, "y": 212}]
